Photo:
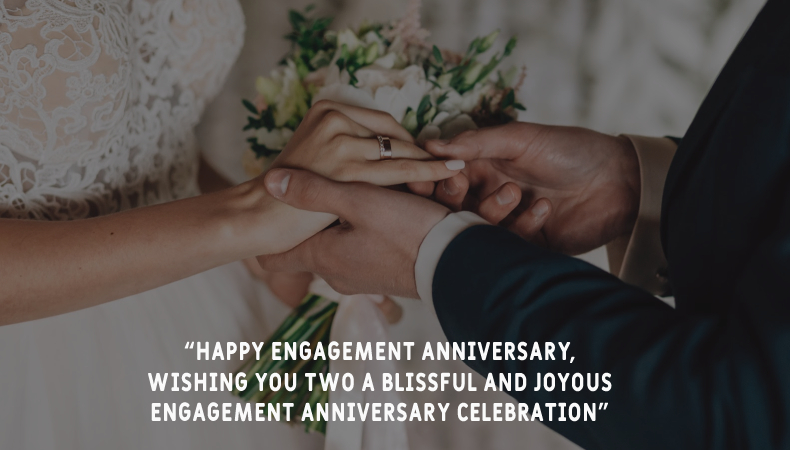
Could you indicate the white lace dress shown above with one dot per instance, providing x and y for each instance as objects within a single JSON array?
[{"x": 98, "y": 104}]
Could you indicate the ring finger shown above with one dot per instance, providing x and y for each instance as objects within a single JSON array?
[{"x": 399, "y": 150}]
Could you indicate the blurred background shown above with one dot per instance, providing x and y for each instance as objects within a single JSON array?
[{"x": 617, "y": 66}]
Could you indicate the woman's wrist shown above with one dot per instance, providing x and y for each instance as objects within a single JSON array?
[
  {"x": 261, "y": 224},
  {"x": 243, "y": 217}
]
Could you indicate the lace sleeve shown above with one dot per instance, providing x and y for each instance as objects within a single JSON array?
[
  {"x": 61, "y": 95},
  {"x": 99, "y": 100}
]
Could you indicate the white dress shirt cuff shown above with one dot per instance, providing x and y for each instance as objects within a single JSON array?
[
  {"x": 638, "y": 258},
  {"x": 434, "y": 245}
]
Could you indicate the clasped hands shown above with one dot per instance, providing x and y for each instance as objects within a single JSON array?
[{"x": 565, "y": 188}]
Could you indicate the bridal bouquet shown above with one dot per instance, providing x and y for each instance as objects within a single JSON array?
[{"x": 433, "y": 93}]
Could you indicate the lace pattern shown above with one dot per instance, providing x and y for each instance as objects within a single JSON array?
[{"x": 99, "y": 100}]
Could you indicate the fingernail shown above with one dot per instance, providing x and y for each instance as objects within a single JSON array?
[
  {"x": 450, "y": 186},
  {"x": 440, "y": 141},
  {"x": 540, "y": 209},
  {"x": 505, "y": 196},
  {"x": 278, "y": 186},
  {"x": 455, "y": 164}
]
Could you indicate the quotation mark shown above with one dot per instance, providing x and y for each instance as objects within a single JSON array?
[
  {"x": 602, "y": 406},
  {"x": 189, "y": 346}
]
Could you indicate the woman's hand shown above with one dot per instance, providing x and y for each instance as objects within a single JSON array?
[
  {"x": 339, "y": 142},
  {"x": 289, "y": 287}
]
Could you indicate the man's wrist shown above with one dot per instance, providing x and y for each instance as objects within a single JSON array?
[
  {"x": 638, "y": 258},
  {"x": 631, "y": 183},
  {"x": 434, "y": 244}
]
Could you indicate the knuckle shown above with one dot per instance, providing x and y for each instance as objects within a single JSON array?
[
  {"x": 334, "y": 120},
  {"x": 323, "y": 105},
  {"x": 340, "y": 142}
]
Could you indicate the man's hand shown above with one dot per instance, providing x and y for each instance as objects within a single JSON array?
[
  {"x": 374, "y": 248},
  {"x": 570, "y": 189}
]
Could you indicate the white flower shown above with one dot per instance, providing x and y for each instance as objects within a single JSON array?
[
  {"x": 349, "y": 38},
  {"x": 471, "y": 99},
  {"x": 456, "y": 103},
  {"x": 371, "y": 37},
  {"x": 444, "y": 80},
  {"x": 317, "y": 78},
  {"x": 291, "y": 101},
  {"x": 453, "y": 127},
  {"x": 392, "y": 91},
  {"x": 387, "y": 61},
  {"x": 428, "y": 132},
  {"x": 345, "y": 93},
  {"x": 439, "y": 118},
  {"x": 275, "y": 139},
  {"x": 269, "y": 88},
  {"x": 509, "y": 77}
]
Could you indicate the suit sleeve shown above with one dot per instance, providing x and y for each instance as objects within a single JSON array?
[{"x": 681, "y": 382}]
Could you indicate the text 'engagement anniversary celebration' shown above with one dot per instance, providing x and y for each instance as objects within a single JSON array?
[{"x": 277, "y": 383}]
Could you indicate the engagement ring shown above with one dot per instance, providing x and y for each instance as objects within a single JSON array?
[{"x": 385, "y": 147}]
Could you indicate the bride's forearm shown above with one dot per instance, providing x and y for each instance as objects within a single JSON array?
[{"x": 49, "y": 268}]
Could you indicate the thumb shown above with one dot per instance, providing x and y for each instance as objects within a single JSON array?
[
  {"x": 305, "y": 190},
  {"x": 501, "y": 142}
]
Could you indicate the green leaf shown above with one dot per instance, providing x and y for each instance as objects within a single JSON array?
[
  {"x": 429, "y": 115},
  {"x": 302, "y": 66},
  {"x": 437, "y": 55},
  {"x": 519, "y": 106},
  {"x": 267, "y": 118},
  {"x": 511, "y": 44},
  {"x": 455, "y": 69},
  {"x": 509, "y": 100},
  {"x": 296, "y": 18},
  {"x": 442, "y": 98},
  {"x": 473, "y": 45},
  {"x": 248, "y": 104},
  {"x": 260, "y": 150},
  {"x": 425, "y": 103},
  {"x": 487, "y": 69},
  {"x": 309, "y": 8}
]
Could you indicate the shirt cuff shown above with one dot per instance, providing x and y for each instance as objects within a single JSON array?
[
  {"x": 639, "y": 259},
  {"x": 434, "y": 245}
]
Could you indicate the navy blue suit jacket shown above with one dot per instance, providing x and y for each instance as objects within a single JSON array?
[{"x": 713, "y": 373}]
